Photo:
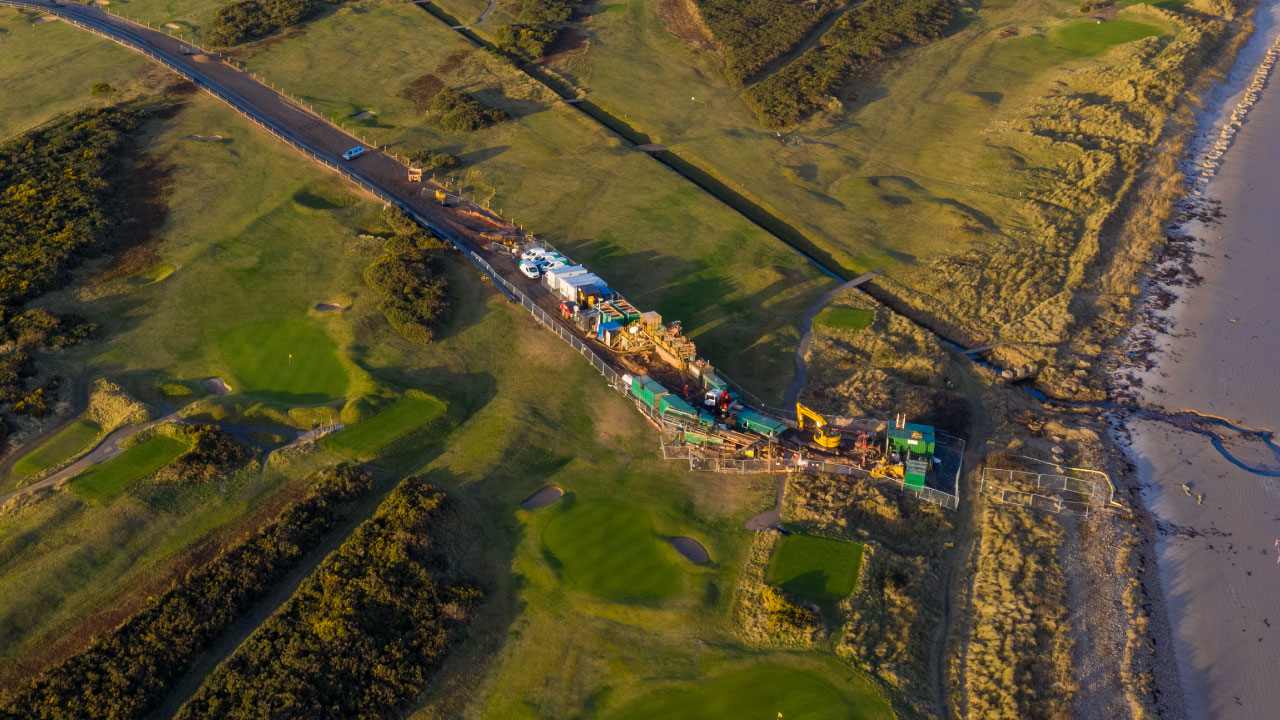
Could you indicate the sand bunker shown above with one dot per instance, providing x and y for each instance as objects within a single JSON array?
[
  {"x": 205, "y": 138},
  {"x": 543, "y": 498},
  {"x": 691, "y": 549},
  {"x": 173, "y": 26},
  {"x": 48, "y": 18},
  {"x": 323, "y": 307},
  {"x": 101, "y": 2},
  {"x": 216, "y": 386},
  {"x": 363, "y": 115}
]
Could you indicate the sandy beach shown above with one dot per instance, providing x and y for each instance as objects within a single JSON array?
[{"x": 1217, "y": 544}]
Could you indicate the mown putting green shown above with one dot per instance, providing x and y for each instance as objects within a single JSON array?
[
  {"x": 106, "y": 480},
  {"x": 760, "y": 692},
  {"x": 1082, "y": 39},
  {"x": 364, "y": 439},
  {"x": 846, "y": 318},
  {"x": 818, "y": 569},
  {"x": 611, "y": 550},
  {"x": 71, "y": 440},
  {"x": 289, "y": 361}
]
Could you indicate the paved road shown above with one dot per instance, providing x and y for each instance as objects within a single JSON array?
[
  {"x": 279, "y": 114},
  {"x": 105, "y": 450}
]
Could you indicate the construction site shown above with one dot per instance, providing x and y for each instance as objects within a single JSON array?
[{"x": 704, "y": 418}]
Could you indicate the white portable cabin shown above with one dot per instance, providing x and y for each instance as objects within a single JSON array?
[
  {"x": 552, "y": 277},
  {"x": 569, "y": 286}
]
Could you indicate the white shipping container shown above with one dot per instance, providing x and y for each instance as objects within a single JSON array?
[
  {"x": 569, "y": 286},
  {"x": 552, "y": 277}
]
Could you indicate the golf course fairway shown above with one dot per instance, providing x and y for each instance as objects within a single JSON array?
[
  {"x": 760, "y": 692},
  {"x": 611, "y": 550},
  {"x": 288, "y": 361}
]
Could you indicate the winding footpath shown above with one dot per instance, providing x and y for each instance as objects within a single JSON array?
[{"x": 806, "y": 338}]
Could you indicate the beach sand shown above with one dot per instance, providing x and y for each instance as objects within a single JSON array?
[{"x": 1218, "y": 560}]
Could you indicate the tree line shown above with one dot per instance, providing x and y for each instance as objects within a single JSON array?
[
  {"x": 247, "y": 20},
  {"x": 362, "y": 636},
  {"x": 865, "y": 34},
  {"x": 58, "y": 204},
  {"x": 409, "y": 281},
  {"x": 127, "y": 672}
]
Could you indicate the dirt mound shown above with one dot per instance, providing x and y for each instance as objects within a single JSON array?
[
  {"x": 542, "y": 498},
  {"x": 691, "y": 549},
  {"x": 216, "y": 386}
]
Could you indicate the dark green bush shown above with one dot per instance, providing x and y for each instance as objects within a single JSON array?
[
  {"x": 751, "y": 33},
  {"x": 407, "y": 278},
  {"x": 214, "y": 453},
  {"x": 101, "y": 89},
  {"x": 865, "y": 34},
  {"x": 428, "y": 160},
  {"x": 248, "y": 20},
  {"x": 364, "y": 633},
  {"x": 125, "y": 673},
  {"x": 459, "y": 112}
]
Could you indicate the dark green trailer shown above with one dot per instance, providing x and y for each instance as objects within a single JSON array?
[{"x": 913, "y": 439}]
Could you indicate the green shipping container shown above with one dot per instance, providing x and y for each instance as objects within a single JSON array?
[
  {"x": 913, "y": 477},
  {"x": 755, "y": 422},
  {"x": 672, "y": 403},
  {"x": 913, "y": 438}
]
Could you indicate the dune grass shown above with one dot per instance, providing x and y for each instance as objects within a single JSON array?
[
  {"x": 766, "y": 692},
  {"x": 288, "y": 361},
  {"x": 365, "y": 438},
  {"x": 108, "y": 479},
  {"x": 611, "y": 550},
  {"x": 68, "y": 442},
  {"x": 846, "y": 318},
  {"x": 821, "y": 570}
]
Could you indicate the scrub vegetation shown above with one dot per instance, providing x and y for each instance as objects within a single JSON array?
[
  {"x": 247, "y": 20},
  {"x": 125, "y": 673},
  {"x": 362, "y": 635},
  {"x": 751, "y": 33},
  {"x": 863, "y": 35},
  {"x": 408, "y": 280}
]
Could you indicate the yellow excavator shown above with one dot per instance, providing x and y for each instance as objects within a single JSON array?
[{"x": 823, "y": 434}]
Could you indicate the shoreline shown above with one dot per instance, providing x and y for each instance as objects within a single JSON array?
[{"x": 1206, "y": 328}]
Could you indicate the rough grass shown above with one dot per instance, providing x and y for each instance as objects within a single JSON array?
[
  {"x": 658, "y": 239},
  {"x": 287, "y": 361},
  {"x": 846, "y": 318},
  {"x": 760, "y": 692},
  {"x": 821, "y": 570},
  {"x": 108, "y": 479},
  {"x": 47, "y": 69},
  {"x": 611, "y": 550},
  {"x": 365, "y": 438},
  {"x": 68, "y": 442}
]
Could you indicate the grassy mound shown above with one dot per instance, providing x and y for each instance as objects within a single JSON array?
[
  {"x": 67, "y": 442},
  {"x": 611, "y": 550},
  {"x": 759, "y": 692},
  {"x": 364, "y": 439},
  {"x": 288, "y": 361},
  {"x": 818, "y": 569},
  {"x": 846, "y": 318},
  {"x": 106, "y": 480}
]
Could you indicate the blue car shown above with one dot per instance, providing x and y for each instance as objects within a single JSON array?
[{"x": 353, "y": 153}]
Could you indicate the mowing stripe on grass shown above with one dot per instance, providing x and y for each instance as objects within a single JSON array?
[
  {"x": 69, "y": 441},
  {"x": 288, "y": 361},
  {"x": 107, "y": 479},
  {"x": 611, "y": 550},
  {"x": 760, "y": 692},
  {"x": 364, "y": 439},
  {"x": 822, "y": 570}
]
